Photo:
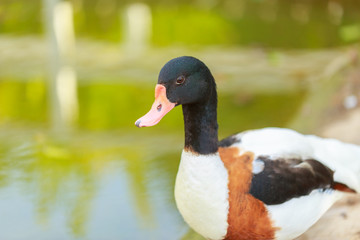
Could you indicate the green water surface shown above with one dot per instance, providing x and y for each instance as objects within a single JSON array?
[{"x": 104, "y": 179}]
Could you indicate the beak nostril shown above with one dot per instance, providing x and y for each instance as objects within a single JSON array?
[{"x": 159, "y": 107}]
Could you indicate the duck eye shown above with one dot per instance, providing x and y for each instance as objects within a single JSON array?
[{"x": 180, "y": 80}]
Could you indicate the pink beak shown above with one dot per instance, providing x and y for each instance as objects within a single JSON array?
[{"x": 159, "y": 109}]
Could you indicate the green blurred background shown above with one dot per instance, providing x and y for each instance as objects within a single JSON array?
[
  {"x": 275, "y": 23},
  {"x": 75, "y": 75}
]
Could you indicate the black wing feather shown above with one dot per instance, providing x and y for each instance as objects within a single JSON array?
[{"x": 284, "y": 179}]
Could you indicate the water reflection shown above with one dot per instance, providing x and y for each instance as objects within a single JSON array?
[
  {"x": 116, "y": 183},
  {"x": 86, "y": 188}
]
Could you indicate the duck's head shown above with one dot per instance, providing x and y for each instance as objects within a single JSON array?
[{"x": 182, "y": 81}]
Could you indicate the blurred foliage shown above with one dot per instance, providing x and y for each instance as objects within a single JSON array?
[
  {"x": 20, "y": 17},
  {"x": 188, "y": 25},
  {"x": 270, "y": 23},
  {"x": 350, "y": 33}
]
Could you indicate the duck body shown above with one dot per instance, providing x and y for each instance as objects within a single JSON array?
[
  {"x": 287, "y": 182},
  {"x": 270, "y": 183}
]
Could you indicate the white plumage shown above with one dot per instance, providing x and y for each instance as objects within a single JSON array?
[{"x": 201, "y": 194}]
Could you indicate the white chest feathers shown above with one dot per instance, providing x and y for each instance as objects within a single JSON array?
[{"x": 201, "y": 194}]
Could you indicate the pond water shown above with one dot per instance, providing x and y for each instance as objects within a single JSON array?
[{"x": 105, "y": 179}]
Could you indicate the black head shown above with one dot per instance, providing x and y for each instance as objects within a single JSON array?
[
  {"x": 182, "y": 81},
  {"x": 187, "y": 80}
]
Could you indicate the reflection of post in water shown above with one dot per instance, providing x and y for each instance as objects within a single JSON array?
[{"x": 63, "y": 105}]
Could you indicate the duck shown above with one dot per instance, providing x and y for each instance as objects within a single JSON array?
[{"x": 261, "y": 184}]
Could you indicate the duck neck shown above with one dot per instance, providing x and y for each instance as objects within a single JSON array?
[{"x": 201, "y": 128}]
